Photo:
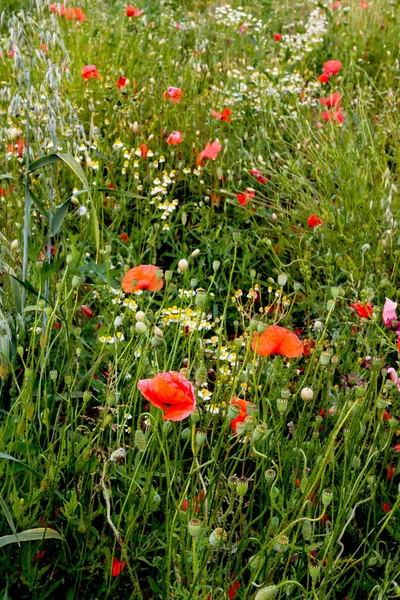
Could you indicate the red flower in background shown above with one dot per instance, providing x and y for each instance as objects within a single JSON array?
[
  {"x": 364, "y": 311},
  {"x": 390, "y": 472},
  {"x": 89, "y": 72},
  {"x": 232, "y": 590},
  {"x": 332, "y": 100},
  {"x": 243, "y": 412},
  {"x": 277, "y": 340},
  {"x": 247, "y": 194},
  {"x": 86, "y": 311},
  {"x": 324, "y": 78},
  {"x": 332, "y": 67},
  {"x": 173, "y": 93},
  {"x": 144, "y": 149},
  {"x": 314, "y": 221},
  {"x": 211, "y": 151},
  {"x": 131, "y": 11},
  {"x": 386, "y": 507},
  {"x": 175, "y": 138},
  {"x": 224, "y": 116},
  {"x": 117, "y": 567},
  {"x": 124, "y": 237},
  {"x": 171, "y": 392},
  {"x": 145, "y": 278},
  {"x": 333, "y": 115},
  {"x": 121, "y": 82},
  {"x": 259, "y": 176},
  {"x": 277, "y": 37},
  {"x": 17, "y": 147}
]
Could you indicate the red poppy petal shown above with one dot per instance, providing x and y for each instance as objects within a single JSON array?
[
  {"x": 178, "y": 413},
  {"x": 146, "y": 387}
]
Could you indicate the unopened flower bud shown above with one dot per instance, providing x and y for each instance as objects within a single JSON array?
[
  {"x": 195, "y": 253},
  {"x": 168, "y": 276},
  {"x": 236, "y": 236},
  {"x": 307, "y": 394},
  {"x": 140, "y": 316},
  {"x": 14, "y": 245},
  {"x": 87, "y": 396},
  {"x": 183, "y": 265},
  {"x": 76, "y": 281},
  {"x": 216, "y": 265},
  {"x": 141, "y": 327},
  {"x": 269, "y": 592}
]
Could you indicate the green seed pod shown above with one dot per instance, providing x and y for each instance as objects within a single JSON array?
[
  {"x": 275, "y": 522},
  {"x": 267, "y": 593},
  {"x": 315, "y": 571},
  {"x": 194, "y": 528},
  {"x": 76, "y": 281},
  {"x": 233, "y": 411},
  {"x": 201, "y": 297},
  {"x": 327, "y": 496},
  {"x": 282, "y": 405},
  {"x": 270, "y": 475},
  {"x": 185, "y": 433},
  {"x": 252, "y": 409},
  {"x": 87, "y": 396},
  {"x": 201, "y": 375},
  {"x": 282, "y": 543},
  {"x": 282, "y": 280},
  {"x": 201, "y": 436},
  {"x": 217, "y": 537},
  {"x": 240, "y": 428},
  {"x": 233, "y": 480},
  {"x": 249, "y": 423},
  {"x": 140, "y": 440},
  {"x": 285, "y": 393},
  {"x": 356, "y": 462},
  {"x": 325, "y": 359},
  {"x": 242, "y": 486},
  {"x": 258, "y": 433},
  {"x": 195, "y": 416}
]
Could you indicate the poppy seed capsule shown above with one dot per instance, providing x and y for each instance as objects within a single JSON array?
[
  {"x": 140, "y": 440},
  {"x": 252, "y": 409},
  {"x": 185, "y": 433},
  {"x": 249, "y": 423},
  {"x": 315, "y": 571},
  {"x": 307, "y": 394},
  {"x": 242, "y": 486},
  {"x": 195, "y": 416},
  {"x": 270, "y": 475},
  {"x": 168, "y": 276},
  {"x": 327, "y": 496},
  {"x": 282, "y": 405},
  {"x": 233, "y": 480},
  {"x": 201, "y": 436},
  {"x": 325, "y": 359},
  {"x": 240, "y": 428},
  {"x": 217, "y": 537},
  {"x": 285, "y": 393},
  {"x": 282, "y": 280},
  {"x": 201, "y": 297},
  {"x": 282, "y": 543},
  {"x": 194, "y": 527},
  {"x": 258, "y": 433},
  {"x": 233, "y": 411},
  {"x": 53, "y": 375},
  {"x": 267, "y": 593}
]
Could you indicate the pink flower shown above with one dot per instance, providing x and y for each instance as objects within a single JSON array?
[
  {"x": 90, "y": 71},
  {"x": 173, "y": 93},
  {"x": 211, "y": 151},
  {"x": 394, "y": 377},
  {"x": 389, "y": 314},
  {"x": 175, "y": 138}
]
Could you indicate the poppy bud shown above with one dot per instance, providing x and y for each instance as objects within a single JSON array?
[
  {"x": 118, "y": 455},
  {"x": 315, "y": 571},
  {"x": 335, "y": 292},
  {"x": 270, "y": 475},
  {"x": 356, "y": 462},
  {"x": 307, "y": 394},
  {"x": 183, "y": 265},
  {"x": 87, "y": 396},
  {"x": 242, "y": 486},
  {"x": 135, "y": 127},
  {"x": 201, "y": 375},
  {"x": 168, "y": 276},
  {"x": 140, "y": 440},
  {"x": 48, "y": 311},
  {"x": 201, "y": 436},
  {"x": 201, "y": 297},
  {"x": 217, "y": 537},
  {"x": 76, "y": 281},
  {"x": 267, "y": 593},
  {"x": 306, "y": 530},
  {"x": 140, "y": 316},
  {"x": 141, "y": 327},
  {"x": 327, "y": 496},
  {"x": 195, "y": 253},
  {"x": 185, "y": 433},
  {"x": 194, "y": 528},
  {"x": 14, "y": 245}
]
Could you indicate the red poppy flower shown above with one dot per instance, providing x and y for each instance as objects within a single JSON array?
[
  {"x": 224, "y": 116},
  {"x": 277, "y": 340},
  {"x": 171, "y": 392},
  {"x": 308, "y": 345},
  {"x": 86, "y": 311},
  {"x": 397, "y": 448},
  {"x": 336, "y": 5},
  {"x": 324, "y": 78},
  {"x": 390, "y": 472},
  {"x": 131, "y": 11},
  {"x": 124, "y": 237},
  {"x": 364, "y": 311},
  {"x": 386, "y": 507},
  {"x": 247, "y": 194},
  {"x": 144, "y": 149},
  {"x": 232, "y": 590},
  {"x": 211, "y": 151},
  {"x": 333, "y": 115},
  {"x": 332, "y": 67},
  {"x": 243, "y": 412},
  {"x": 314, "y": 221},
  {"x": 173, "y": 93},
  {"x": 332, "y": 100},
  {"x": 121, "y": 82},
  {"x": 80, "y": 15},
  {"x": 145, "y": 277},
  {"x": 17, "y": 147},
  {"x": 89, "y": 72},
  {"x": 277, "y": 37},
  {"x": 259, "y": 176},
  {"x": 175, "y": 138},
  {"x": 53, "y": 7},
  {"x": 386, "y": 416},
  {"x": 364, "y": 4},
  {"x": 117, "y": 567}
]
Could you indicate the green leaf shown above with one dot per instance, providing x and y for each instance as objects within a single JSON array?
[
  {"x": 44, "y": 161},
  {"x": 28, "y": 468},
  {"x": 29, "y": 535},
  {"x": 59, "y": 216},
  {"x": 38, "y": 204},
  {"x": 8, "y": 516},
  {"x": 50, "y": 269},
  {"x": 6, "y": 176}
]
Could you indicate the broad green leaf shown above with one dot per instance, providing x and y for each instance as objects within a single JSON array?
[
  {"x": 44, "y": 161},
  {"x": 59, "y": 216},
  {"x": 6, "y": 176},
  {"x": 29, "y": 535},
  {"x": 8, "y": 515}
]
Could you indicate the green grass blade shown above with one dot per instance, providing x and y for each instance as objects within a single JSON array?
[{"x": 29, "y": 535}]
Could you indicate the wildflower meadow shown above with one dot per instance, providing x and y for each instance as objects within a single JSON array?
[{"x": 199, "y": 287}]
